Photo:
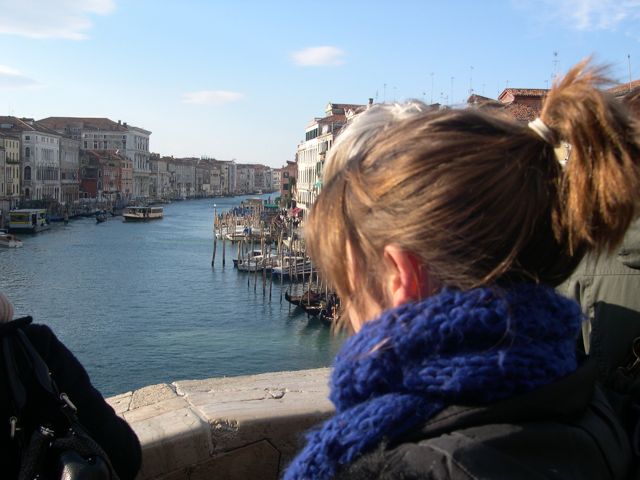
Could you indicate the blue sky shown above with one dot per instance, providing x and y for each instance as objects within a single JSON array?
[{"x": 241, "y": 79}]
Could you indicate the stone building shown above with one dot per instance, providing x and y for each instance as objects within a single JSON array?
[
  {"x": 105, "y": 134},
  {"x": 39, "y": 158},
  {"x": 319, "y": 137},
  {"x": 105, "y": 175},
  {"x": 161, "y": 179},
  {"x": 10, "y": 145},
  {"x": 69, "y": 170},
  {"x": 246, "y": 179},
  {"x": 184, "y": 172},
  {"x": 228, "y": 176}
]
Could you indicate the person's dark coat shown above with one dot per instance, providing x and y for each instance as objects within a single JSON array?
[
  {"x": 607, "y": 287},
  {"x": 114, "y": 435},
  {"x": 565, "y": 430}
]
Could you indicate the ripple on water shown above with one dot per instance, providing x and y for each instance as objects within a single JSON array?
[{"x": 139, "y": 303}]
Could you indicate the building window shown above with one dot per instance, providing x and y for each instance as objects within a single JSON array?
[
  {"x": 27, "y": 173},
  {"x": 27, "y": 152}
]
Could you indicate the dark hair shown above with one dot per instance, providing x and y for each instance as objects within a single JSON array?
[{"x": 477, "y": 197}]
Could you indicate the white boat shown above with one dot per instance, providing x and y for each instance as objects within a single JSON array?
[
  {"x": 8, "y": 240},
  {"x": 142, "y": 214},
  {"x": 250, "y": 254},
  {"x": 257, "y": 263},
  {"x": 293, "y": 267},
  {"x": 30, "y": 220}
]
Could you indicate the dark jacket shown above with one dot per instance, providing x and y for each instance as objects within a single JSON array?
[
  {"x": 607, "y": 287},
  {"x": 564, "y": 430},
  {"x": 111, "y": 432}
]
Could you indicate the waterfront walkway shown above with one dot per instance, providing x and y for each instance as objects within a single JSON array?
[{"x": 231, "y": 428}]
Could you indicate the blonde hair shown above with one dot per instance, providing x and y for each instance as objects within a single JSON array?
[{"x": 477, "y": 197}]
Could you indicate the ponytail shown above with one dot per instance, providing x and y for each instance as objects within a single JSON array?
[{"x": 600, "y": 186}]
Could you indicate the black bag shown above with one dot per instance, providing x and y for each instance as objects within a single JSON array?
[{"x": 52, "y": 442}]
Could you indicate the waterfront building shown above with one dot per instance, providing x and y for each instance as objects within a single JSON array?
[
  {"x": 69, "y": 170},
  {"x": 263, "y": 181},
  {"x": 246, "y": 179},
  {"x": 228, "y": 176},
  {"x": 5, "y": 204},
  {"x": 184, "y": 172},
  {"x": 289, "y": 175},
  {"x": 105, "y": 134},
  {"x": 10, "y": 145},
  {"x": 39, "y": 157},
  {"x": 276, "y": 180},
  {"x": 311, "y": 153},
  {"x": 161, "y": 184},
  {"x": 207, "y": 177},
  {"x": 105, "y": 175}
]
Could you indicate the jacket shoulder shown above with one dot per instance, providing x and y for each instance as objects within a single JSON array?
[{"x": 408, "y": 461}]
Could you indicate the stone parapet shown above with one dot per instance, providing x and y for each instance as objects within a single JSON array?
[{"x": 231, "y": 428}]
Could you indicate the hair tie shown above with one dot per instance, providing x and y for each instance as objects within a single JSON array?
[{"x": 543, "y": 131}]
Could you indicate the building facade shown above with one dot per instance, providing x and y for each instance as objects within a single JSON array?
[
  {"x": 319, "y": 137},
  {"x": 10, "y": 145},
  {"x": 69, "y": 170},
  {"x": 105, "y": 134}
]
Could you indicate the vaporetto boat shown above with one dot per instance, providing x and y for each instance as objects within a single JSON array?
[
  {"x": 142, "y": 214},
  {"x": 29, "y": 220}
]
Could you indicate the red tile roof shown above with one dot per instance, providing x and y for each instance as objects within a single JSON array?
[
  {"x": 89, "y": 123},
  {"x": 523, "y": 92},
  {"x": 624, "y": 88},
  {"x": 24, "y": 124},
  {"x": 522, "y": 112}
]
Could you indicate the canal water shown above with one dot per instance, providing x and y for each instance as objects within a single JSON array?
[{"x": 139, "y": 304}]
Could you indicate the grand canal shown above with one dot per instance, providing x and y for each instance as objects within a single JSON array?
[{"x": 139, "y": 304}]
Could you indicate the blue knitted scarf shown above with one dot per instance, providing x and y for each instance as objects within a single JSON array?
[{"x": 454, "y": 348}]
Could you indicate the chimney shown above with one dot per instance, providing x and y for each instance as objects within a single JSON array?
[
  {"x": 370, "y": 101},
  {"x": 124, "y": 124},
  {"x": 119, "y": 122}
]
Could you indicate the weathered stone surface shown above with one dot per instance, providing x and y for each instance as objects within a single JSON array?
[
  {"x": 120, "y": 403},
  {"x": 239, "y": 427},
  {"x": 155, "y": 410},
  {"x": 152, "y": 394},
  {"x": 174, "y": 440},
  {"x": 259, "y": 460}
]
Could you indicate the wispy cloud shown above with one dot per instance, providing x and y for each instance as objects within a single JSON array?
[
  {"x": 325, "y": 56},
  {"x": 12, "y": 78},
  {"x": 212, "y": 97},
  {"x": 66, "y": 19},
  {"x": 585, "y": 14}
]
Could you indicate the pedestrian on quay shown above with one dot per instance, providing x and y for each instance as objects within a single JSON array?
[
  {"x": 112, "y": 433},
  {"x": 444, "y": 234}
]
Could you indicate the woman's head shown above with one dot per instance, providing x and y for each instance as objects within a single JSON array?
[{"x": 467, "y": 198}]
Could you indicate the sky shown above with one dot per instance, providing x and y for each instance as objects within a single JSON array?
[{"x": 241, "y": 79}]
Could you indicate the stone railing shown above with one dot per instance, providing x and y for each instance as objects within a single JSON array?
[{"x": 231, "y": 428}]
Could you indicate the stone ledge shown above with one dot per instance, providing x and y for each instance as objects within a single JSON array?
[{"x": 236, "y": 427}]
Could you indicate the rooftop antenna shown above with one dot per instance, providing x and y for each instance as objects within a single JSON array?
[
  {"x": 629, "y": 62},
  {"x": 471, "y": 80},
  {"x": 431, "y": 102},
  {"x": 395, "y": 94},
  {"x": 483, "y": 85},
  {"x": 384, "y": 94},
  {"x": 451, "y": 96},
  {"x": 555, "y": 64}
]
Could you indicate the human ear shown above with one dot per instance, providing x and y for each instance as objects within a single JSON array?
[{"x": 406, "y": 280}]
